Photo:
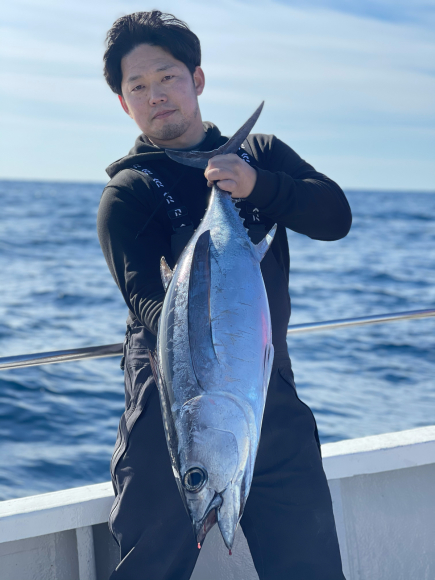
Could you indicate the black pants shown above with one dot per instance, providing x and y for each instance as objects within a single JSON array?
[{"x": 288, "y": 520}]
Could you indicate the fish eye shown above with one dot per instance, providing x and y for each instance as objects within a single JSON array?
[{"x": 194, "y": 479}]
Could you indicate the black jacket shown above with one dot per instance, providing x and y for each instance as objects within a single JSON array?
[{"x": 288, "y": 191}]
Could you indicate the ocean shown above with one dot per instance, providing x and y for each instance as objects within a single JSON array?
[{"x": 58, "y": 422}]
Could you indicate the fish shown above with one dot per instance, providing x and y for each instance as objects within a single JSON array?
[{"x": 214, "y": 356}]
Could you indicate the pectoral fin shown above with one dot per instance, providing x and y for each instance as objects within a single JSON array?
[
  {"x": 204, "y": 360},
  {"x": 165, "y": 272},
  {"x": 262, "y": 247}
]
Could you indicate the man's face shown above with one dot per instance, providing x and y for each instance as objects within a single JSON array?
[{"x": 158, "y": 92}]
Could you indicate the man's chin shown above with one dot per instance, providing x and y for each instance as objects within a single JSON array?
[{"x": 167, "y": 132}]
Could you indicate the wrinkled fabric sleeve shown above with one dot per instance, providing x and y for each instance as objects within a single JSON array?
[
  {"x": 134, "y": 262},
  {"x": 293, "y": 194}
]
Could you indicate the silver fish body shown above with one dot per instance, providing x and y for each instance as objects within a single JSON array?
[{"x": 213, "y": 364}]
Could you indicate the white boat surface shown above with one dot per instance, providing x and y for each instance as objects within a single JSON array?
[{"x": 383, "y": 493}]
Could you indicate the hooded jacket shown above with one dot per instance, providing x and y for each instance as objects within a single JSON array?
[{"x": 135, "y": 231}]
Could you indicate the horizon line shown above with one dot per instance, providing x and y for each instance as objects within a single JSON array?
[{"x": 349, "y": 188}]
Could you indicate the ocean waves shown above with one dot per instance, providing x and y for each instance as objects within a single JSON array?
[{"x": 58, "y": 422}]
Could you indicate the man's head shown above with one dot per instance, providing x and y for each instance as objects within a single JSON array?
[{"x": 152, "y": 62}]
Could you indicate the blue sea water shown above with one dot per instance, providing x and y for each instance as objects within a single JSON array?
[{"x": 58, "y": 422}]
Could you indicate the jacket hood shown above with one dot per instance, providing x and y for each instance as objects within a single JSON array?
[{"x": 144, "y": 151}]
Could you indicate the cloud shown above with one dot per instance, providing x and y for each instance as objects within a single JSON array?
[
  {"x": 337, "y": 82},
  {"x": 421, "y": 12}
]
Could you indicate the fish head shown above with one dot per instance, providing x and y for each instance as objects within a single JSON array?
[{"x": 215, "y": 462}]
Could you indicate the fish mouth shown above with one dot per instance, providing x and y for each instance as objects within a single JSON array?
[{"x": 209, "y": 520}]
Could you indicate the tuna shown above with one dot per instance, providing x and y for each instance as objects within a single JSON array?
[{"x": 214, "y": 357}]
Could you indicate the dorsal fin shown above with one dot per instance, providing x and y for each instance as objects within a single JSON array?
[
  {"x": 165, "y": 272},
  {"x": 261, "y": 248},
  {"x": 200, "y": 158}
]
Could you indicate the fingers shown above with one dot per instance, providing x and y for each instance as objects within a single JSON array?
[
  {"x": 231, "y": 174},
  {"x": 224, "y": 160},
  {"x": 227, "y": 185},
  {"x": 216, "y": 174},
  {"x": 221, "y": 166}
]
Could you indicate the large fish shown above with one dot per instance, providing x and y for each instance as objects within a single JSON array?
[{"x": 214, "y": 357}]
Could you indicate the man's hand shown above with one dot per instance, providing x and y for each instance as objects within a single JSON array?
[{"x": 231, "y": 174}]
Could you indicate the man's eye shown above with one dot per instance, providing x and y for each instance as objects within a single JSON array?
[
  {"x": 168, "y": 77},
  {"x": 137, "y": 88}
]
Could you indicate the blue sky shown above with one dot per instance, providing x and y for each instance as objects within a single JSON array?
[{"x": 349, "y": 85}]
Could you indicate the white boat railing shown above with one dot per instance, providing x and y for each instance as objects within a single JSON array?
[
  {"x": 108, "y": 350},
  {"x": 382, "y": 494}
]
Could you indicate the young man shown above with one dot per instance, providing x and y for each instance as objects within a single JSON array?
[{"x": 149, "y": 209}]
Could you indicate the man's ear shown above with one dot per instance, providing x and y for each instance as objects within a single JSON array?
[
  {"x": 199, "y": 80},
  {"x": 124, "y": 105}
]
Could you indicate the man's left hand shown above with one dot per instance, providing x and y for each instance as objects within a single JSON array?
[{"x": 231, "y": 174}]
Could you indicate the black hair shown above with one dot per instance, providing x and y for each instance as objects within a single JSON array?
[{"x": 155, "y": 28}]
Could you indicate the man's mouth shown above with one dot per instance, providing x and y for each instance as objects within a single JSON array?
[{"x": 164, "y": 114}]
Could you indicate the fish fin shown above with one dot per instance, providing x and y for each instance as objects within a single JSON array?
[
  {"x": 233, "y": 144},
  {"x": 262, "y": 247},
  {"x": 165, "y": 272},
  {"x": 268, "y": 363},
  {"x": 200, "y": 159},
  {"x": 204, "y": 360}
]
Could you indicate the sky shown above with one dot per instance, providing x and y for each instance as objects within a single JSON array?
[{"x": 349, "y": 85}]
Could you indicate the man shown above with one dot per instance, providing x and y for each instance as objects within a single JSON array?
[{"x": 153, "y": 62}]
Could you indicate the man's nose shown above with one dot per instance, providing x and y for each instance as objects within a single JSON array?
[{"x": 157, "y": 95}]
